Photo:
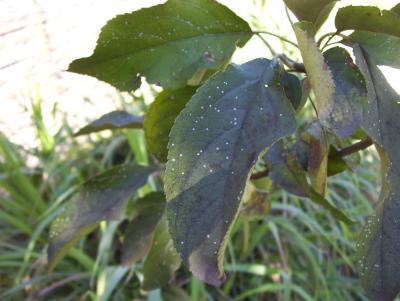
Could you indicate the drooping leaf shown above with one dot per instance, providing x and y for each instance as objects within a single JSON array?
[
  {"x": 255, "y": 202},
  {"x": 138, "y": 236},
  {"x": 183, "y": 39},
  {"x": 100, "y": 198},
  {"x": 293, "y": 90},
  {"x": 111, "y": 121},
  {"x": 311, "y": 10},
  {"x": 379, "y": 243},
  {"x": 338, "y": 85},
  {"x": 162, "y": 261},
  {"x": 368, "y": 18},
  {"x": 318, "y": 152},
  {"x": 160, "y": 118},
  {"x": 384, "y": 49},
  {"x": 213, "y": 144},
  {"x": 286, "y": 170}
]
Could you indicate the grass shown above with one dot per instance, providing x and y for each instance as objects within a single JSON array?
[{"x": 298, "y": 251}]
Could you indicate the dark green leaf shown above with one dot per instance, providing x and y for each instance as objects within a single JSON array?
[
  {"x": 138, "y": 236},
  {"x": 311, "y": 10},
  {"x": 379, "y": 243},
  {"x": 368, "y": 18},
  {"x": 111, "y": 121},
  {"x": 338, "y": 85},
  {"x": 160, "y": 118},
  {"x": 286, "y": 170},
  {"x": 167, "y": 43},
  {"x": 100, "y": 198},
  {"x": 162, "y": 261},
  {"x": 384, "y": 49},
  {"x": 214, "y": 142},
  {"x": 350, "y": 95},
  {"x": 293, "y": 90}
]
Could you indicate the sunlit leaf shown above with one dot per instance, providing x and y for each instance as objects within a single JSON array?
[
  {"x": 384, "y": 49},
  {"x": 160, "y": 118},
  {"x": 162, "y": 261},
  {"x": 338, "y": 85},
  {"x": 100, "y": 198},
  {"x": 368, "y": 18},
  {"x": 111, "y": 121},
  {"x": 183, "y": 39},
  {"x": 138, "y": 235},
  {"x": 213, "y": 144},
  {"x": 314, "y": 11},
  {"x": 379, "y": 242}
]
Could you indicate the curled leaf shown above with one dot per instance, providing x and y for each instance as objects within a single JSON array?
[{"x": 111, "y": 121}]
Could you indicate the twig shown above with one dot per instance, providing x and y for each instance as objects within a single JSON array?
[
  {"x": 292, "y": 64},
  {"x": 363, "y": 144}
]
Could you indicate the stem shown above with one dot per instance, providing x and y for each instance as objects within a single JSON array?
[
  {"x": 292, "y": 64},
  {"x": 276, "y": 36},
  {"x": 266, "y": 44},
  {"x": 363, "y": 144}
]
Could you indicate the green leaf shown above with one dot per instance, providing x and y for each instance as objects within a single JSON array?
[
  {"x": 111, "y": 121},
  {"x": 213, "y": 145},
  {"x": 138, "y": 235},
  {"x": 286, "y": 170},
  {"x": 379, "y": 242},
  {"x": 160, "y": 118},
  {"x": 100, "y": 198},
  {"x": 368, "y": 18},
  {"x": 162, "y": 261},
  {"x": 384, "y": 49},
  {"x": 314, "y": 11},
  {"x": 338, "y": 85},
  {"x": 167, "y": 43},
  {"x": 293, "y": 90}
]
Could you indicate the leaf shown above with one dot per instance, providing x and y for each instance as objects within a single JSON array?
[
  {"x": 167, "y": 43},
  {"x": 310, "y": 10},
  {"x": 384, "y": 49},
  {"x": 100, "y": 198},
  {"x": 138, "y": 236},
  {"x": 368, "y": 18},
  {"x": 318, "y": 152},
  {"x": 286, "y": 171},
  {"x": 293, "y": 90},
  {"x": 111, "y": 121},
  {"x": 255, "y": 203},
  {"x": 160, "y": 118},
  {"x": 379, "y": 242},
  {"x": 162, "y": 261},
  {"x": 213, "y": 144},
  {"x": 396, "y": 9},
  {"x": 338, "y": 85}
]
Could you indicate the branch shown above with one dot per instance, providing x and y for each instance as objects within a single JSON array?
[{"x": 363, "y": 144}]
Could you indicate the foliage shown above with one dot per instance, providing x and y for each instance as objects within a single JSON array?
[{"x": 229, "y": 134}]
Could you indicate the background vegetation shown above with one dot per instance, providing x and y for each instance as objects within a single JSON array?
[{"x": 297, "y": 251}]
